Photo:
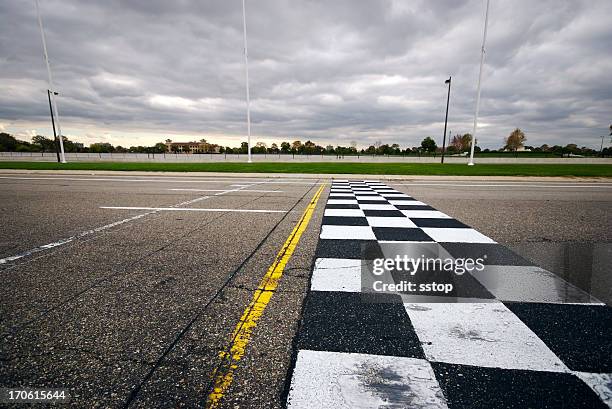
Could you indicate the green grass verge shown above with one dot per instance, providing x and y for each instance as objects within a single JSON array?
[{"x": 333, "y": 167}]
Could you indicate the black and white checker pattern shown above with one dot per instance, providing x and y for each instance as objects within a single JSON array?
[{"x": 537, "y": 341}]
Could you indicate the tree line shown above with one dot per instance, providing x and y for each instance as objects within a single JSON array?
[
  {"x": 459, "y": 144},
  {"x": 513, "y": 143},
  {"x": 39, "y": 143}
]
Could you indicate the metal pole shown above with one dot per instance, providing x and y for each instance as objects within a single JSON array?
[
  {"x": 51, "y": 87},
  {"x": 446, "y": 119},
  {"x": 246, "y": 69},
  {"x": 482, "y": 56},
  {"x": 57, "y": 151}
]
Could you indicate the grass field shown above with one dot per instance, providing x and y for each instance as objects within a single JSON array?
[{"x": 326, "y": 167}]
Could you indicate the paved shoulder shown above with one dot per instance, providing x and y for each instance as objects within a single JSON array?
[{"x": 479, "y": 328}]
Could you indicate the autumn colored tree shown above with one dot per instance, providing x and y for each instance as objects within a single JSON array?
[
  {"x": 461, "y": 143},
  {"x": 515, "y": 140}
]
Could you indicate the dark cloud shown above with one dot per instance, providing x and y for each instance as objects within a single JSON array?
[{"x": 331, "y": 71}]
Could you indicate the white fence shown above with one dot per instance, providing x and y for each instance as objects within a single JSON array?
[{"x": 220, "y": 157}]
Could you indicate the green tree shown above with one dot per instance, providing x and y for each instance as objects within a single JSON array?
[
  {"x": 429, "y": 145},
  {"x": 572, "y": 148},
  {"x": 260, "y": 147},
  {"x": 297, "y": 147},
  {"x": 244, "y": 147},
  {"x": 273, "y": 148},
  {"x": 45, "y": 144},
  {"x": 23, "y": 148},
  {"x": 310, "y": 147},
  {"x": 160, "y": 148},
  {"x": 7, "y": 142},
  {"x": 104, "y": 147},
  {"x": 285, "y": 147}
]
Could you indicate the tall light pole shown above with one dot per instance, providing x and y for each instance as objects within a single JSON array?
[
  {"x": 482, "y": 56},
  {"x": 448, "y": 81},
  {"x": 246, "y": 69},
  {"x": 56, "y": 142},
  {"x": 52, "y": 92}
]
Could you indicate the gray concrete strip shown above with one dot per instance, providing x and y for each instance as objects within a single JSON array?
[
  {"x": 288, "y": 177},
  {"x": 281, "y": 158}
]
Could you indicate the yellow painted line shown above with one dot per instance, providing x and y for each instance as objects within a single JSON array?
[{"x": 223, "y": 375}]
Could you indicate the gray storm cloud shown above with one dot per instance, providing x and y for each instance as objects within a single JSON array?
[{"x": 329, "y": 71}]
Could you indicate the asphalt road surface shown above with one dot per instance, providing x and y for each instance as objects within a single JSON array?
[{"x": 125, "y": 289}]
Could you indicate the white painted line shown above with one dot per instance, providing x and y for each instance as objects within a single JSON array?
[
  {"x": 371, "y": 198},
  {"x": 280, "y": 181},
  {"x": 341, "y": 201},
  {"x": 402, "y": 242},
  {"x": 456, "y": 235},
  {"x": 192, "y": 209},
  {"x": 393, "y": 195},
  {"x": 390, "y": 222},
  {"x": 480, "y": 334},
  {"x": 344, "y": 212},
  {"x": 112, "y": 179},
  {"x": 70, "y": 239},
  {"x": 166, "y": 180},
  {"x": 337, "y": 274},
  {"x": 343, "y": 232},
  {"x": 407, "y": 202},
  {"x": 425, "y": 214},
  {"x": 230, "y": 190},
  {"x": 324, "y": 379},
  {"x": 377, "y": 206}
]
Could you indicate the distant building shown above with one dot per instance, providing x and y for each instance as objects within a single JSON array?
[{"x": 191, "y": 147}]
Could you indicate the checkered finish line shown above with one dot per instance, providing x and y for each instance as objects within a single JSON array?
[{"x": 521, "y": 338}]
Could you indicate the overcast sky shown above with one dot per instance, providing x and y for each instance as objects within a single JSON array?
[{"x": 136, "y": 72}]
